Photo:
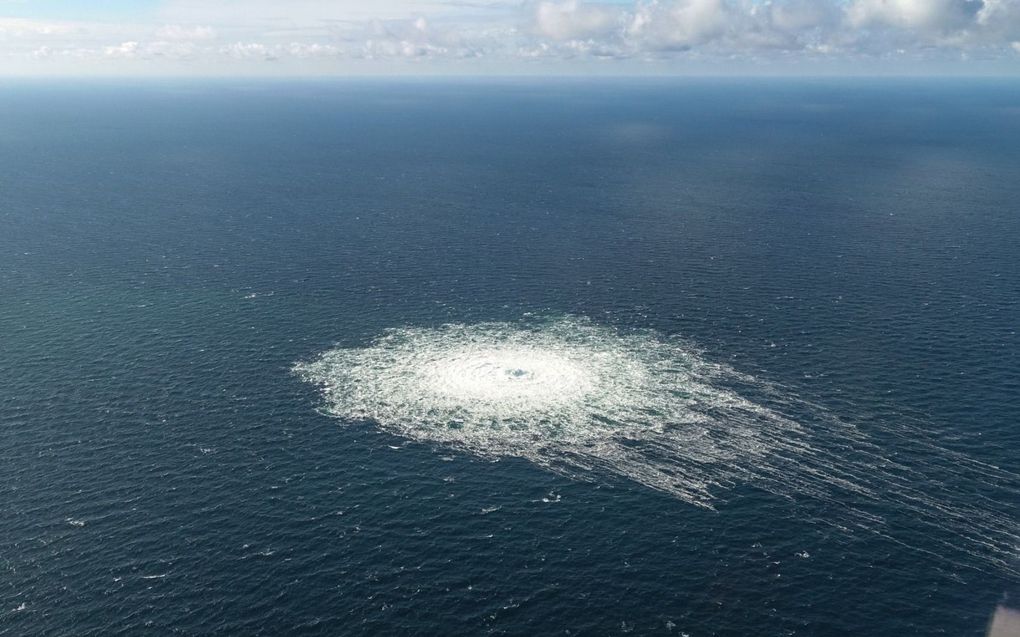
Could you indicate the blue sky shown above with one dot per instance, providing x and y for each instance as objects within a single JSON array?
[
  {"x": 619, "y": 37},
  {"x": 78, "y": 9}
]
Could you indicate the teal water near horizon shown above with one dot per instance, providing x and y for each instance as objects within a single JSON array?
[{"x": 517, "y": 358}]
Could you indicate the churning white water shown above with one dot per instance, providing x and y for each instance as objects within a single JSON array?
[
  {"x": 588, "y": 401},
  {"x": 565, "y": 394}
]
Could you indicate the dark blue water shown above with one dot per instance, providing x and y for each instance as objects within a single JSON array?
[{"x": 168, "y": 251}]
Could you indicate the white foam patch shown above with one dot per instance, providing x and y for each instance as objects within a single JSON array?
[{"x": 588, "y": 401}]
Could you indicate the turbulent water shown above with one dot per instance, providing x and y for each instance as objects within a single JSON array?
[
  {"x": 565, "y": 394},
  {"x": 586, "y": 400}
]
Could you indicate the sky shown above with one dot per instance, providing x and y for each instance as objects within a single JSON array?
[{"x": 512, "y": 37}]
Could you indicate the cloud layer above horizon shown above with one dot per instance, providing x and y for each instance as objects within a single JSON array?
[{"x": 483, "y": 36}]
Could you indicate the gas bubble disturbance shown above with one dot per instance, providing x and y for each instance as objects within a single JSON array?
[{"x": 591, "y": 401}]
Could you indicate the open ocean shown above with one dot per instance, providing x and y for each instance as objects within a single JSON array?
[{"x": 518, "y": 357}]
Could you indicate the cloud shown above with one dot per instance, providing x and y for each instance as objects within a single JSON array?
[
  {"x": 308, "y": 12},
  {"x": 799, "y": 16},
  {"x": 22, "y": 27},
  {"x": 248, "y": 51},
  {"x": 925, "y": 16},
  {"x": 573, "y": 20},
  {"x": 952, "y": 25},
  {"x": 179, "y": 32},
  {"x": 335, "y": 36},
  {"x": 1000, "y": 19},
  {"x": 122, "y": 50},
  {"x": 758, "y": 28},
  {"x": 681, "y": 24}
]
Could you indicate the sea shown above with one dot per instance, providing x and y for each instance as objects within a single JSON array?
[{"x": 520, "y": 356}]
